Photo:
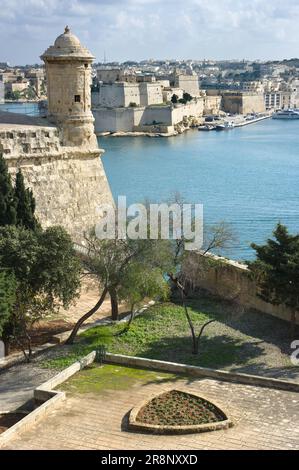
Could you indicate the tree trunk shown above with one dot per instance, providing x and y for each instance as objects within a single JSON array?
[
  {"x": 75, "y": 330},
  {"x": 131, "y": 318},
  {"x": 293, "y": 324},
  {"x": 191, "y": 326},
  {"x": 6, "y": 346},
  {"x": 194, "y": 339},
  {"x": 114, "y": 304}
]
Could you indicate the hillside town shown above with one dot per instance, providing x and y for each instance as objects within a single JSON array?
[{"x": 168, "y": 97}]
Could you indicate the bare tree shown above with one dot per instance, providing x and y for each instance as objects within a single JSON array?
[{"x": 195, "y": 265}]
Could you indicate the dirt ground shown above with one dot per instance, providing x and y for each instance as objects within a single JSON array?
[{"x": 65, "y": 320}]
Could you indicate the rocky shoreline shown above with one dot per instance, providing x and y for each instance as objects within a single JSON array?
[{"x": 187, "y": 124}]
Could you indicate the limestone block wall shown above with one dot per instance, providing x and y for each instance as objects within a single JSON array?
[
  {"x": 168, "y": 93},
  {"x": 109, "y": 75},
  {"x": 253, "y": 104},
  {"x": 62, "y": 92},
  {"x": 189, "y": 83},
  {"x": 110, "y": 95},
  {"x": 116, "y": 120},
  {"x": 156, "y": 114},
  {"x": 29, "y": 140},
  {"x": 116, "y": 95},
  {"x": 1, "y": 92},
  {"x": 230, "y": 280},
  {"x": 130, "y": 119},
  {"x": 68, "y": 183},
  {"x": 150, "y": 93},
  {"x": 193, "y": 108},
  {"x": 243, "y": 103},
  {"x": 212, "y": 104}
]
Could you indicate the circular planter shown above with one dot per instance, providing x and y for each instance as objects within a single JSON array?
[{"x": 136, "y": 424}]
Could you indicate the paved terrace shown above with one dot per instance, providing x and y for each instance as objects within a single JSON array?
[{"x": 95, "y": 418}]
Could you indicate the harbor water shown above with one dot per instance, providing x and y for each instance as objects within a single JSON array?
[{"x": 247, "y": 176}]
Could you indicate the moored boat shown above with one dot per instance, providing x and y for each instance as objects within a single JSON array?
[
  {"x": 225, "y": 126},
  {"x": 206, "y": 128},
  {"x": 286, "y": 114}
]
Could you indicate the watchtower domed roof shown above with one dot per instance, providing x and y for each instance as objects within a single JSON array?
[
  {"x": 67, "y": 40},
  {"x": 67, "y": 45}
]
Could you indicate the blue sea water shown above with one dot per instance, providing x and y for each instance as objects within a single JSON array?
[
  {"x": 247, "y": 176},
  {"x": 23, "y": 108}
]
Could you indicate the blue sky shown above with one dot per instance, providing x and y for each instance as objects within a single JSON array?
[{"x": 141, "y": 29}]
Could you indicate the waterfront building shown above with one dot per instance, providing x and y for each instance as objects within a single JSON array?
[
  {"x": 237, "y": 102},
  {"x": 1, "y": 92},
  {"x": 140, "y": 105},
  {"x": 281, "y": 99},
  {"x": 18, "y": 86}
]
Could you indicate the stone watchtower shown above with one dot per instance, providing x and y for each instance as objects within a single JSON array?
[
  {"x": 59, "y": 156},
  {"x": 68, "y": 71}
]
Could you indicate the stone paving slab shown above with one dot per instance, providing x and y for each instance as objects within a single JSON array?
[
  {"x": 263, "y": 419},
  {"x": 18, "y": 382}
]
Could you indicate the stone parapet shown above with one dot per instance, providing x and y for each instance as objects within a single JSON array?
[{"x": 24, "y": 141}]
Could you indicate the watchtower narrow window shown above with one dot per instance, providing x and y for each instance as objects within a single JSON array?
[{"x": 77, "y": 98}]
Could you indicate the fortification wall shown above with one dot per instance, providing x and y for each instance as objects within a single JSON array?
[
  {"x": 212, "y": 104},
  {"x": 253, "y": 104},
  {"x": 129, "y": 119},
  {"x": 69, "y": 183},
  {"x": 230, "y": 280},
  {"x": 116, "y": 120},
  {"x": 116, "y": 95},
  {"x": 243, "y": 103},
  {"x": 150, "y": 93},
  {"x": 193, "y": 108},
  {"x": 189, "y": 83}
]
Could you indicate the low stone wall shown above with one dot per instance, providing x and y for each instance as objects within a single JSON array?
[
  {"x": 202, "y": 372},
  {"x": 231, "y": 280},
  {"x": 49, "y": 398}
]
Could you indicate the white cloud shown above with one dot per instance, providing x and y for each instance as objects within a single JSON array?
[{"x": 129, "y": 29}]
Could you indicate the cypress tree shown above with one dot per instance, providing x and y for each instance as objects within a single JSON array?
[
  {"x": 7, "y": 201},
  {"x": 276, "y": 270},
  {"x": 25, "y": 204},
  {"x": 8, "y": 287}
]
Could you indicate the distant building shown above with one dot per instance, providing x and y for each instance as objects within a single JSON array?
[
  {"x": 168, "y": 93},
  {"x": 12, "y": 87},
  {"x": 281, "y": 100},
  {"x": 188, "y": 83},
  {"x": 123, "y": 94},
  {"x": 243, "y": 102},
  {"x": 1, "y": 92},
  {"x": 255, "y": 86},
  {"x": 110, "y": 75}
]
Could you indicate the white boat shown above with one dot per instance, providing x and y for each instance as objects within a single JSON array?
[
  {"x": 286, "y": 114},
  {"x": 225, "y": 126},
  {"x": 206, "y": 128}
]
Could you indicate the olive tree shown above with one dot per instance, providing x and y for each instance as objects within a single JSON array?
[
  {"x": 117, "y": 263},
  {"x": 47, "y": 273}
]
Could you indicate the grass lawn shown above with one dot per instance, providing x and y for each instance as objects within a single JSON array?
[{"x": 243, "y": 342}]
